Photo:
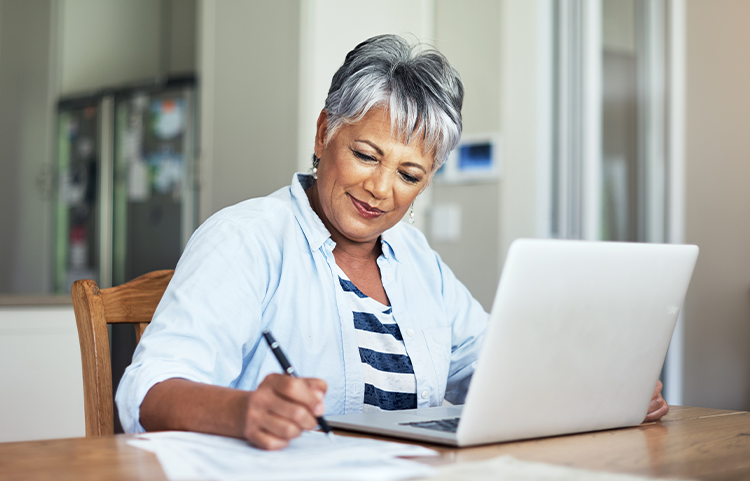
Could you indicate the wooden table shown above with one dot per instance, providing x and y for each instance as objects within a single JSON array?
[{"x": 694, "y": 443}]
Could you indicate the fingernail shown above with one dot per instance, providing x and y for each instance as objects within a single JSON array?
[
  {"x": 320, "y": 409},
  {"x": 319, "y": 395}
]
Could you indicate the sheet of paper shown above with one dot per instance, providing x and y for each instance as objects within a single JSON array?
[
  {"x": 191, "y": 456},
  {"x": 509, "y": 468}
]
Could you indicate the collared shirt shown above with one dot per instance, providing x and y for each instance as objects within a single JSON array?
[{"x": 268, "y": 263}]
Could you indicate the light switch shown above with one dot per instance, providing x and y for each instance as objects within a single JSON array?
[{"x": 446, "y": 222}]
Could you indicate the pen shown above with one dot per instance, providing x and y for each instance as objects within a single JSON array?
[{"x": 276, "y": 350}]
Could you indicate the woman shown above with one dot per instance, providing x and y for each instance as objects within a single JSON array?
[{"x": 364, "y": 308}]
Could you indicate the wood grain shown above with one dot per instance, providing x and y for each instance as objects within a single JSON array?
[
  {"x": 133, "y": 302},
  {"x": 78, "y": 459},
  {"x": 695, "y": 443}
]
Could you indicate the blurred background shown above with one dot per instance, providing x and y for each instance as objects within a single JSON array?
[{"x": 126, "y": 123}]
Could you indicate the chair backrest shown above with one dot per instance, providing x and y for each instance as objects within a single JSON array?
[{"x": 132, "y": 303}]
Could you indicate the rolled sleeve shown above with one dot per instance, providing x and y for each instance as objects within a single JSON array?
[{"x": 204, "y": 321}]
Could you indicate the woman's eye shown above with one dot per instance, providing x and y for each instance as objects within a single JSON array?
[
  {"x": 409, "y": 178},
  {"x": 362, "y": 156}
]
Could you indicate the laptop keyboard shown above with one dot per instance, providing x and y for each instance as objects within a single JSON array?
[{"x": 446, "y": 425}]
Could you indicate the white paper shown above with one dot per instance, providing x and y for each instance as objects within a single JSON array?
[{"x": 192, "y": 456}]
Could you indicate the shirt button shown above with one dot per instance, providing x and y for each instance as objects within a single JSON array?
[
  {"x": 410, "y": 332},
  {"x": 424, "y": 394},
  {"x": 389, "y": 277}
]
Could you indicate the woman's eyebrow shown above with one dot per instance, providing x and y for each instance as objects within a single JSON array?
[
  {"x": 377, "y": 149},
  {"x": 414, "y": 164}
]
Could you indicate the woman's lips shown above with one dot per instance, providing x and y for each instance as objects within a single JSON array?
[{"x": 365, "y": 209}]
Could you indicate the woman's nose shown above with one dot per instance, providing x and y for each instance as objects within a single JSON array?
[{"x": 378, "y": 184}]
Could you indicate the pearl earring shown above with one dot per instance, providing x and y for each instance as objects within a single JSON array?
[
  {"x": 411, "y": 214},
  {"x": 315, "y": 163}
]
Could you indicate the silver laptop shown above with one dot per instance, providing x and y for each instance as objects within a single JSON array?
[{"x": 576, "y": 341}]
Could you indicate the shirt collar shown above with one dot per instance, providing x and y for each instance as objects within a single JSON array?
[
  {"x": 387, "y": 239},
  {"x": 313, "y": 228}
]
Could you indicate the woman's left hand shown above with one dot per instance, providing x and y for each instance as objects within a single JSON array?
[{"x": 658, "y": 407}]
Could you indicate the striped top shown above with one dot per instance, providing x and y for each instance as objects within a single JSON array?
[{"x": 390, "y": 383}]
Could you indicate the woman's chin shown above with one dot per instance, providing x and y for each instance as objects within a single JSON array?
[{"x": 361, "y": 232}]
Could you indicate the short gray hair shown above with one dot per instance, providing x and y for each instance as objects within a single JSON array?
[{"x": 421, "y": 90}]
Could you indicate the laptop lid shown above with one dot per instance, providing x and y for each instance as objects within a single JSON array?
[{"x": 576, "y": 341}]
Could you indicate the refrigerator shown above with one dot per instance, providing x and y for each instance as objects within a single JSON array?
[
  {"x": 126, "y": 191},
  {"x": 126, "y": 200},
  {"x": 154, "y": 189},
  {"x": 77, "y": 210}
]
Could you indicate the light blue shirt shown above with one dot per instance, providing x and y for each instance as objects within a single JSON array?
[{"x": 268, "y": 263}]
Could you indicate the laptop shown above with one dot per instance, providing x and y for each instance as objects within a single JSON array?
[{"x": 576, "y": 341}]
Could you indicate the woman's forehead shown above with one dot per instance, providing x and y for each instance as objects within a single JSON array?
[{"x": 377, "y": 122}]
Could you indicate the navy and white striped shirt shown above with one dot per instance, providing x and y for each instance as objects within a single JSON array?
[{"x": 390, "y": 383}]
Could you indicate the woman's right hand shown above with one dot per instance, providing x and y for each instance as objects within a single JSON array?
[
  {"x": 281, "y": 408},
  {"x": 269, "y": 417}
]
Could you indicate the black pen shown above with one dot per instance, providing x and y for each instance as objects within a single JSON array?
[{"x": 276, "y": 350}]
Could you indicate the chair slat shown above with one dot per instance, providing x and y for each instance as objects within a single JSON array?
[{"x": 133, "y": 302}]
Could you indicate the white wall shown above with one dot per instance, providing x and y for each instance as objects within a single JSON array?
[
  {"x": 469, "y": 34},
  {"x": 248, "y": 56},
  {"x": 717, "y": 310},
  {"x": 26, "y": 106},
  {"x": 42, "y": 384},
  {"x": 108, "y": 42},
  {"x": 524, "y": 201}
]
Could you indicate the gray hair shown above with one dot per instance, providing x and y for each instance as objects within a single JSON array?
[{"x": 420, "y": 89}]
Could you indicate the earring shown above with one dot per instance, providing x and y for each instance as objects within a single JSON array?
[
  {"x": 411, "y": 213},
  {"x": 315, "y": 162}
]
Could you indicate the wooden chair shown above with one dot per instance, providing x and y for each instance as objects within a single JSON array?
[{"x": 133, "y": 303}]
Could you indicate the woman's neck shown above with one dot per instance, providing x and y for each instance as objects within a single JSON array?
[{"x": 346, "y": 249}]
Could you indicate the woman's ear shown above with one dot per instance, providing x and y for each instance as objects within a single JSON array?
[{"x": 320, "y": 132}]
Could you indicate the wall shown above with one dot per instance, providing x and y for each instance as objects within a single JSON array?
[
  {"x": 178, "y": 32},
  {"x": 249, "y": 71},
  {"x": 717, "y": 311},
  {"x": 42, "y": 384},
  {"x": 105, "y": 43},
  {"x": 7, "y": 181},
  {"x": 26, "y": 106},
  {"x": 525, "y": 97},
  {"x": 108, "y": 42},
  {"x": 468, "y": 33}
]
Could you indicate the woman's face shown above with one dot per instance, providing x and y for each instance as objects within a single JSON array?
[{"x": 367, "y": 179}]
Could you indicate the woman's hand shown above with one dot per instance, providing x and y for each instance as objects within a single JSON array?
[
  {"x": 658, "y": 407},
  {"x": 278, "y": 411},
  {"x": 281, "y": 408}
]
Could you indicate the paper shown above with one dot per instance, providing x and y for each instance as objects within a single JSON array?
[
  {"x": 312, "y": 456},
  {"x": 509, "y": 468}
]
